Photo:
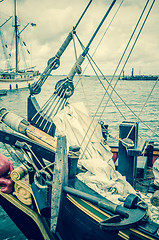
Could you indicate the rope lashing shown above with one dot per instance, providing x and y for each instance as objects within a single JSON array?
[
  {"x": 73, "y": 154},
  {"x": 127, "y": 142}
]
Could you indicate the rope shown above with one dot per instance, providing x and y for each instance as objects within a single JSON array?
[
  {"x": 15, "y": 153},
  {"x": 113, "y": 88},
  {"x": 95, "y": 49},
  {"x": 123, "y": 100},
  {"x": 154, "y": 132},
  {"x": 89, "y": 43},
  {"x": 117, "y": 66},
  {"x": 80, "y": 76},
  {"x": 58, "y": 105},
  {"x": 43, "y": 107},
  {"x": 102, "y": 36},
  {"x": 22, "y": 51},
  {"x": 126, "y": 141},
  {"x": 45, "y": 74},
  {"x": 126, "y": 59},
  {"x": 89, "y": 153},
  {"x": 49, "y": 104},
  {"x": 38, "y": 172},
  {"x": 106, "y": 90},
  {"x": 143, "y": 106},
  {"x": 75, "y": 49},
  {"x": 72, "y": 154}
]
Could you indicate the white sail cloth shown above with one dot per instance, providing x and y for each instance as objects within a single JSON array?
[
  {"x": 156, "y": 172},
  {"x": 74, "y": 122}
]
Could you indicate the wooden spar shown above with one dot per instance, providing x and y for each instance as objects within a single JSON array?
[
  {"x": 22, "y": 126},
  {"x": 60, "y": 178}
]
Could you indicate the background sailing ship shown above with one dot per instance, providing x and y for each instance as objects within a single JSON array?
[{"x": 13, "y": 76}]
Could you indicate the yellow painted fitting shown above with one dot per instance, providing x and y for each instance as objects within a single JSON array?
[
  {"x": 22, "y": 194},
  {"x": 18, "y": 173}
]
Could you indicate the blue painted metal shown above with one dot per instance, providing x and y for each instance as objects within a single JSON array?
[
  {"x": 37, "y": 117},
  {"x": 127, "y": 164}
]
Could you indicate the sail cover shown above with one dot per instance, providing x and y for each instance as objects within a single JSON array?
[{"x": 96, "y": 157}]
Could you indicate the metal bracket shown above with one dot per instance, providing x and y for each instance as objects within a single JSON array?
[{"x": 116, "y": 223}]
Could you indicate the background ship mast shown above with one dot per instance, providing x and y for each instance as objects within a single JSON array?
[{"x": 16, "y": 37}]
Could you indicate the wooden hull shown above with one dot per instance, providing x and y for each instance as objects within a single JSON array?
[
  {"x": 31, "y": 224},
  {"x": 78, "y": 219},
  {"x": 3, "y": 92},
  {"x": 14, "y": 81},
  {"x": 8, "y": 84}
]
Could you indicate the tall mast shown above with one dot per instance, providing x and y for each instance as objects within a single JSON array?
[{"x": 16, "y": 37}]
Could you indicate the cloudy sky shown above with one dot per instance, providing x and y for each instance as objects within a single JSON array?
[{"x": 55, "y": 19}]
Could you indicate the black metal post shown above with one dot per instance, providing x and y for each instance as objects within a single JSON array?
[
  {"x": 73, "y": 156},
  {"x": 150, "y": 154},
  {"x": 127, "y": 165}
]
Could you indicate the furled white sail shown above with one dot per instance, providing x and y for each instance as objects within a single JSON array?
[{"x": 74, "y": 122}]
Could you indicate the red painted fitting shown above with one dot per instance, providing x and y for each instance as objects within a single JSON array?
[
  {"x": 6, "y": 185},
  {"x": 6, "y": 165}
]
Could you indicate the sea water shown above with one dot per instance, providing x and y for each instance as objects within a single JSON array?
[{"x": 100, "y": 99}]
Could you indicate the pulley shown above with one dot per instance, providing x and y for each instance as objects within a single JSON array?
[
  {"x": 64, "y": 88},
  {"x": 53, "y": 63}
]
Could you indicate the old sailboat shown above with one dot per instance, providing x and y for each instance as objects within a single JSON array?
[
  {"x": 66, "y": 186},
  {"x": 12, "y": 76}
]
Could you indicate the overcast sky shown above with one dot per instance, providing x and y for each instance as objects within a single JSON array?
[{"x": 55, "y": 19}]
